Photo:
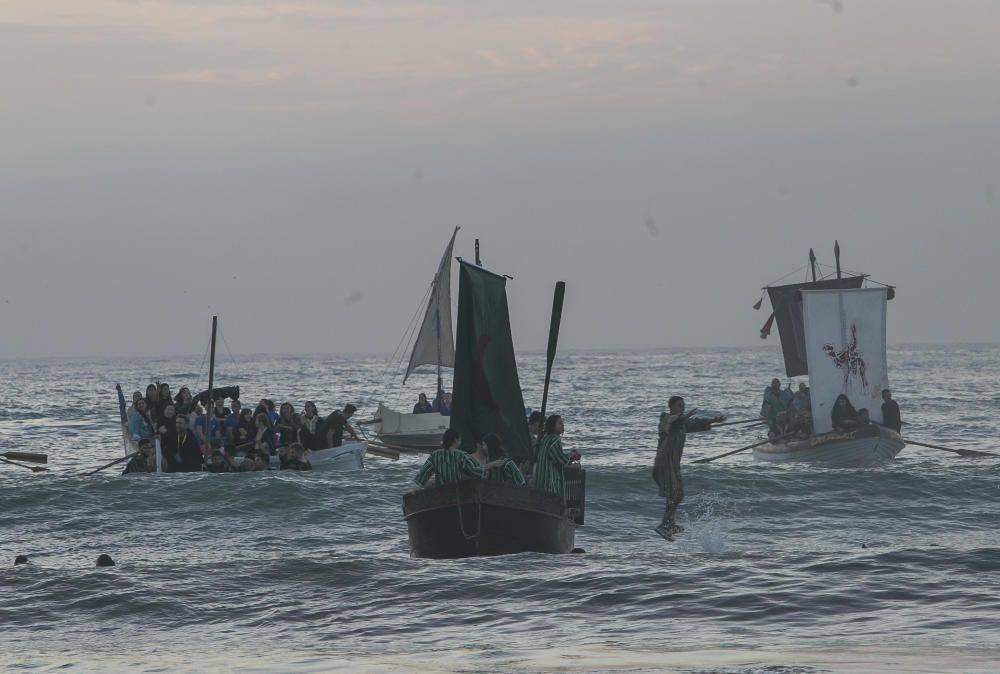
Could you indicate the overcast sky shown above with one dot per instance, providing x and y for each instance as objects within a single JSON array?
[{"x": 297, "y": 166}]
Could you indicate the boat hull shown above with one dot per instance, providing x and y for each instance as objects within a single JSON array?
[
  {"x": 350, "y": 456},
  {"x": 481, "y": 518},
  {"x": 415, "y": 432},
  {"x": 866, "y": 446}
]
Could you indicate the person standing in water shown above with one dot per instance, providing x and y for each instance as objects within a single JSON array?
[{"x": 674, "y": 425}]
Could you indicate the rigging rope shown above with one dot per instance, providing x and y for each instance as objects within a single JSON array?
[
  {"x": 404, "y": 340},
  {"x": 236, "y": 367},
  {"x": 201, "y": 368},
  {"x": 805, "y": 266}
]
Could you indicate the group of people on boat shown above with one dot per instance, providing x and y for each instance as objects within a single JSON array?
[
  {"x": 229, "y": 438},
  {"x": 789, "y": 415},
  {"x": 845, "y": 418},
  {"x": 490, "y": 461},
  {"x": 441, "y": 404}
]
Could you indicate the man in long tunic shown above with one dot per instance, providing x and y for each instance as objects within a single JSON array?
[
  {"x": 449, "y": 464},
  {"x": 674, "y": 426}
]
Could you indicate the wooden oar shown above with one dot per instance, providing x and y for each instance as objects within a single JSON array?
[
  {"x": 961, "y": 452},
  {"x": 384, "y": 452},
  {"x": 108, "y": 465},
  {"x": 743, "y": 449},
  {"x": 550, "y": 355},
  {"x": 33, "y": 469},
  {"x": 745, "y": 421},
  {"x": 30, "y": 457}
]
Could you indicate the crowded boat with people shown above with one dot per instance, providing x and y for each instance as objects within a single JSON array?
[{"x": 177, "y": 434}]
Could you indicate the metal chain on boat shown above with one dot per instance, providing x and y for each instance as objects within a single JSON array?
[{"x": 479, "y": 515}]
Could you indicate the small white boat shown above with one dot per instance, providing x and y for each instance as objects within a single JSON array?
[
  {"x": 434, "y": 345},
  {"x": 417, "y": 432},
  {"x": 350, "y": 456},
  {"x": 866, "y": 446}
]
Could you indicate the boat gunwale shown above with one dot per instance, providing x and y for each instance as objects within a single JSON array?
[{"x": 480, "y": 492}]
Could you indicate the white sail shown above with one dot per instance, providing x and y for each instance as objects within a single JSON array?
[
  {"x": 845, "y": 350},
  {"x": 435, "y": 344}
]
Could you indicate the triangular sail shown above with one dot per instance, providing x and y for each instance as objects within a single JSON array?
[
  {"x": 787, "y": 304},
  {"x": 845, "y": 347},
  {"x": 435, "y": 345},
  {"x": 486, "y": 391}
]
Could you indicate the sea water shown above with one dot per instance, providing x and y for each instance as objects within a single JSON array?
[{"x": 782, "y": 568}]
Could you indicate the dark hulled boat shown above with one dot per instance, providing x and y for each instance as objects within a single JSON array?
[{"x": 479, "y": 517}]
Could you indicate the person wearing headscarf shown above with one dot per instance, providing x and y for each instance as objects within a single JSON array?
[{"x": 843, "y": 417}]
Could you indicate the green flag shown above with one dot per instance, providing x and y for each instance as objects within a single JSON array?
[{"x": 486, "y": 394}]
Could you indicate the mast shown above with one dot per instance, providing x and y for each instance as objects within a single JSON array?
[
  {"x": 836, "y": 254},
  {"x": 812, "y": 263},
  {"x": 437, "y": 328},
  {"x": 211, "y": 373}
]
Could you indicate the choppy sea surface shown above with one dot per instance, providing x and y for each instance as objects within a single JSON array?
[{"x": 791, "y": 568}]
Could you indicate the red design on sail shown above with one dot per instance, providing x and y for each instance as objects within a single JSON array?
[
  {"x": 480, "y": 382},
  {"x": 850, "y": 360}
]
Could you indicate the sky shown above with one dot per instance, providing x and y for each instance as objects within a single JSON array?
[{"x": 297, "y": 166}]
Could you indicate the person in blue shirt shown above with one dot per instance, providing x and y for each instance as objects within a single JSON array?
[
  {"x": 140, "y": 426},
  {"x": 442, "y": 404},
  {"x": 422, "y": 406},
  {"x": 214, "y": 428},
  {"x": 232, "y": 422}
]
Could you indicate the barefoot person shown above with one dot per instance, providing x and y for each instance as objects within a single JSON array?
[{"x": 674, "y": 425}]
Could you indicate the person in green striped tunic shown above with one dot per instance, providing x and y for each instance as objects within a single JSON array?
[
  {"x": 499, "y": 467},
  {"x": 550, "y": 458},
  {"x": 449, "y": 464}
]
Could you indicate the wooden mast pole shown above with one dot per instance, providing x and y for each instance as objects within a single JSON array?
[
  {"x": 812, "y": 263},
  {"x": 836, "y": 254},
  {"x": 437, "y": 326},
  {"x": 211, "y": 380}
]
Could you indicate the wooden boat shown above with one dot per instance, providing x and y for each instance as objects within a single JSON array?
[
  {"x": 414, "y": 432},
  {"x": 478, "y": 518},
  {"x": 433, "y": 345},
  {"x": 349, "y": 456},
  {"x": 867, "y": 445},
  {"x": 834, "y": 331},
  {"x": 475, "y": 518}
]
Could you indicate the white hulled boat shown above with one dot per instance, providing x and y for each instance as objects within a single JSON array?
[
  {"x": 834, "y": 331},
  {"x": 434, "y": 345}
]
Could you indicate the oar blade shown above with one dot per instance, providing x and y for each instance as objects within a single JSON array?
[
  {"x": 385, "y": 453},
  {"x": 30, "y": 457}
]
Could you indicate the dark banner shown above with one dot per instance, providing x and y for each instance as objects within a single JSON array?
[
  {"x": 787, "y": 304},
  {"x": 486, "y": 393}
]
